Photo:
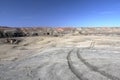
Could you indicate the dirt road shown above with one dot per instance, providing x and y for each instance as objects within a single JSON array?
[
  {"x": 40, "y": 60},
  {"x": 65, "y": 64}
]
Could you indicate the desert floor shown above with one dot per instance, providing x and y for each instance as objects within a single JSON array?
[{"x": 72, "y": 57}]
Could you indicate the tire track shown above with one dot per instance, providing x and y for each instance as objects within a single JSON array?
[
  {"x": 73, "y": 69},
  {"x": 95, "y": 69}
]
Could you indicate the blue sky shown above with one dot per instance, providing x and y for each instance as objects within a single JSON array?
[{"x": 60, "y": 13}]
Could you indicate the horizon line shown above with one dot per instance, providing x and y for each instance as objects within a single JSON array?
[{"x": 60, "y": 26}]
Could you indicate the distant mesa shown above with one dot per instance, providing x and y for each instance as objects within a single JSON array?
[{"x": 8, "y": 32}]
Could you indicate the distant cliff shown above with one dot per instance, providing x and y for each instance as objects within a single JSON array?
[{"x": 6, "y": 32}]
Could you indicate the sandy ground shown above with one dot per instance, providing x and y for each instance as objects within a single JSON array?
[{"x": 61, "y": 58}]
